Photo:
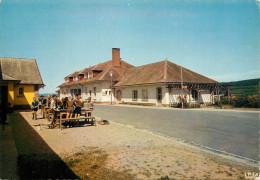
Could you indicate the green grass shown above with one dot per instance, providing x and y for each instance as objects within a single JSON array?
[{"x": 243, "y": 88}]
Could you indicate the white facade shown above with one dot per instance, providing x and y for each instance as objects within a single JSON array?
[
  {"x": 98, "y": 91},
  {"x": 101, "y": 92},
  {"x": 166, "y": 99},
  {"x": 127, "y": 94}
]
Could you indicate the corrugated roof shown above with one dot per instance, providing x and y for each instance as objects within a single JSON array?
[
  {"x": 24, "y": 70},
  {"x": 159, "y": 72}
]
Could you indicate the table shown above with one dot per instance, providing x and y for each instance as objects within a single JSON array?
[{"x": 63, "y": 112}]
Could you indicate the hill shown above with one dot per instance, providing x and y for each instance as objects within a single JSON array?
[{"x": 244, "y": 87}]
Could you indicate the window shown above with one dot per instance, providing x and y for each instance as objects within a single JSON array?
[
  {"x": 145, "y": 94},
  {"x": 20, "y": 93},
  {"x": 159, "y": 94},
  {"x": 134, "y": 95},
  {"x": 36, "y": 88},
  {"x": 70, "y": 79},
  {"x": 194, "y": 94},
  {"x": 95, "y": 91},
  {"x": 81, "y": 76}
]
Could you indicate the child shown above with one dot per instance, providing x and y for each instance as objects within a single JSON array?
[
  {"x": 54, "y": 107},
  {"x": 90, "y": 103},
  {"x": 79, "y": 104},
  {"x": 70, "y": 107},
  {"x": 35, "y": 105},
  {"x": 43, "y": 103}
]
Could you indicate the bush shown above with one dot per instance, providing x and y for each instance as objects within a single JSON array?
[
  {"x": 253, "y": 100},
  {"x": 242, "y": 101},
  {"x": 194, "y": 105}
]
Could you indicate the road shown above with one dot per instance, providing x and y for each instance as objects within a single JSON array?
[{"x": 234, "y": 132}]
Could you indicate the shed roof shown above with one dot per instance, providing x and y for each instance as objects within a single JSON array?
[{"x": 17, "y": 69}]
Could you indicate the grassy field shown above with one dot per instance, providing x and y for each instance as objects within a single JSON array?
[{"x": 244, "y": 88}]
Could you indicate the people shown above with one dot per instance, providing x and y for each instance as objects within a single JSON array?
[
  {"x": 49, "y": 101},
  {"x": 90, "y": 103},
  {"x": 35, "y": 105},
  {"x": 79, "y": 104},
  {"x": 70, "y": 107},
  {"x": 54, "y": 108},
  {"x": 43, "y": 103}
]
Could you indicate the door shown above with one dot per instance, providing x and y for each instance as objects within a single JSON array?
[
  {"x": 159, "y": 95},
  {"x": 118, "y": 95},
  {"x": 3, "y": 103}
]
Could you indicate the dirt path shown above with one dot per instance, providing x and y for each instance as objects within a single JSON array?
[{"x": 141, "y": 154}]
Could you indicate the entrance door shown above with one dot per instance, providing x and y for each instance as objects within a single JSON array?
[
  {"x": 3, "y": 103},
  {"x": 118, "y": 95},
  {"x": 159, "y": 95}
]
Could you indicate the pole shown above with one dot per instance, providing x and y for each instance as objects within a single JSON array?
[{"x": 181, "y": 89}]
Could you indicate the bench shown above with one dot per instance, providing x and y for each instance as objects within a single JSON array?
[{"x": 88, "y": 120}]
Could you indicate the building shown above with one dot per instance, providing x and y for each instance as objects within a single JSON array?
[
  {"x": 95, "y": 81},
  {"x": 162, "y": 83},
  {"x": 20, "y": 81}
]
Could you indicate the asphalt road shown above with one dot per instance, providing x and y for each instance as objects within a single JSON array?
[{"x": 234, "y": 132}]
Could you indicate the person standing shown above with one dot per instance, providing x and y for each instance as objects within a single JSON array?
[
  {"x": 49, "y": 101},
  {"x": 43, "y": 103},
  {"x": 79, "y": 104},
  {"x": 54, "y": 108},
  {"x": 70, "y": 107},
  {"x": 35, "y": 106}
]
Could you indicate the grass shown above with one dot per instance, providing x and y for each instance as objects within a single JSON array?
[{"x": 91, "y": 164}]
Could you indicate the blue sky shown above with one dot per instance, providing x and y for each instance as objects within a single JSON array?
[{"x": 219, "y": 39}]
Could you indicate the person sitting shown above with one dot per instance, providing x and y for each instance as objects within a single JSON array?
[
  {"x": 79, "y": 104},
  {"x": 54, "y": 108},
  {"x": 70, "y": 107},
  {"x": 35, "y": 105}
]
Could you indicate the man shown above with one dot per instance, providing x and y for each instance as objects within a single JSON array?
[{"x": 43, "y": 103}]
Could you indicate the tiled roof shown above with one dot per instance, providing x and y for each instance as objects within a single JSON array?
[
  {"x": 106, "y": 68},
  {"x": 16, "y": 69},
  {"x": 161, "y": 72}
]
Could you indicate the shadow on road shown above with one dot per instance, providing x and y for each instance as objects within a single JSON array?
[{"x": 36, "y": 160}]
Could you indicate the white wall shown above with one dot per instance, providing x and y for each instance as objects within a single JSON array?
[
  {"x": 204, "y": 96},
  {"x": 152, "y": 91}
]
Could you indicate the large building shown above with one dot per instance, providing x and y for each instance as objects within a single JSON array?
[
  {"x": 20, "y": 81},
  {"x": 154, "y": 84}
]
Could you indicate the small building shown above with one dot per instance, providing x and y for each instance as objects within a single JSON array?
[
  {"x": 162, "y": 83},
  {"x": 165, "y": 84},
  {"x": 20, "y": 81}
]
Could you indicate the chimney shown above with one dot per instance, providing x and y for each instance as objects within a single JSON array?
[{"x": 116, "y": 57}]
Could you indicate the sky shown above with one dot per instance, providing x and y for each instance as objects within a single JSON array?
[{"x": 219, "y": 39}]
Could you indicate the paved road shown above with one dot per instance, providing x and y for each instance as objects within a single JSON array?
[{"x": 234, "y": 132}]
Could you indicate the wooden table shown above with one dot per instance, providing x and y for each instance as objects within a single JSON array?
[{"x": 63, "y": 112}]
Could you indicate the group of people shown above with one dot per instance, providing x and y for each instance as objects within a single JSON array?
[{"x": 73, "y": 106}]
